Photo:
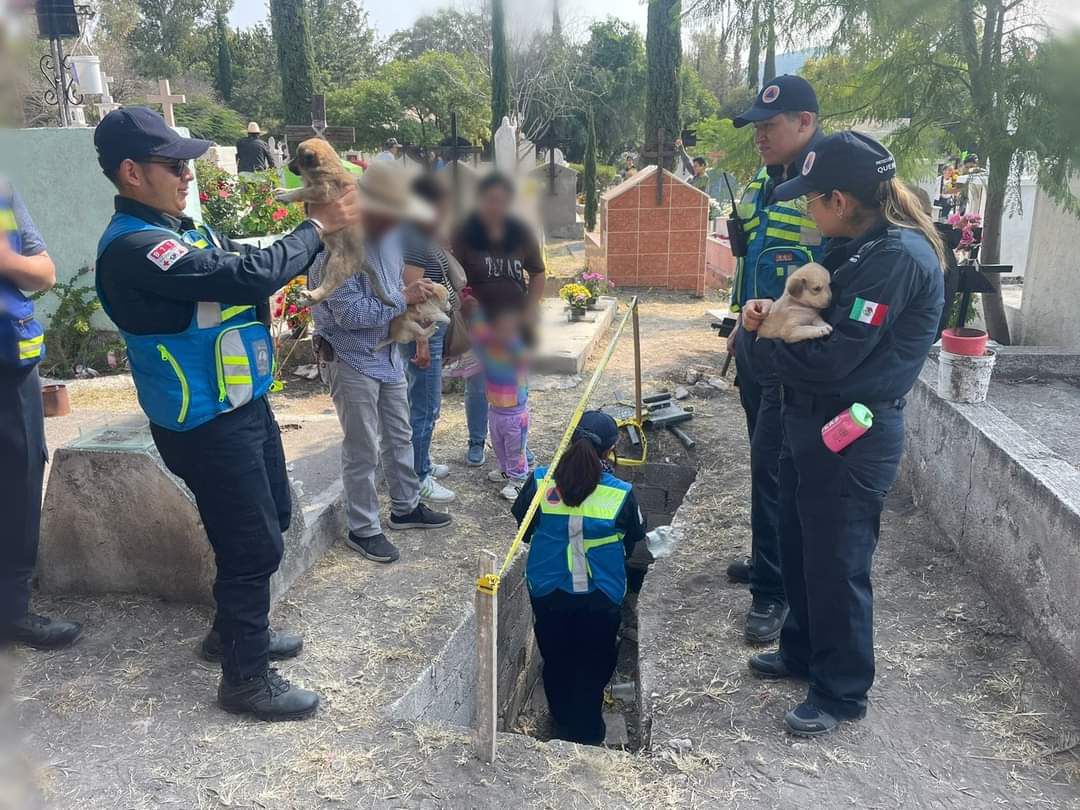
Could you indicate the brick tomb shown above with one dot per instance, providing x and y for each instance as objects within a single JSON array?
[{"x": 644, "y": 244}]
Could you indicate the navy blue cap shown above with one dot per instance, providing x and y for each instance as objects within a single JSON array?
[
  {"x": 599, "y": 428},
  {"x": 137, "y": 133},
  {"x": 846, "y": 161},
  {"x": 785, "y": 93}
]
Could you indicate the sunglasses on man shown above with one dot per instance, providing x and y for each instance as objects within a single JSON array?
[{"x": 174, "y": 165}]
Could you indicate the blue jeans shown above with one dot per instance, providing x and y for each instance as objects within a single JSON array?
[
  {"x": 425, "y": 400},
  {"x": 476, "y": 409}
]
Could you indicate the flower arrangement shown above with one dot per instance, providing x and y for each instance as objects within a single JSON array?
[
  {"x": 287, "y": 306},
  {"x": 596, "y": 283},
  {"x": 576, "y": 295},
  {"x": 244, "y": 206},
  {"x": 966, "y": 224}
]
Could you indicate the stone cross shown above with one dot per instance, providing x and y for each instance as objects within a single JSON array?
[
  {"x": 106, "y": 105},
  {"x": 167, "y": 100},
  {"x": 664, "y": 151},
  {"x": 294, "y": 133}
]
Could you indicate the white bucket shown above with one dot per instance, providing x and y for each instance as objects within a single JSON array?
[
  {"x": 86, "y": 71},
  {"x": 963, "y": 378}
]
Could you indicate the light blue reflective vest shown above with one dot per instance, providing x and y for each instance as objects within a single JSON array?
[
  {"x": 780, "y": 239},
  {"x": 224, "y": 359},
  {"x": 22, "y": 337},
  {"x": 578, "y": 548}
]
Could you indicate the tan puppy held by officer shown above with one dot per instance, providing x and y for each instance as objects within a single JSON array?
[
  {"x": 796, "y": 315},
  {"x": 409, "y": 325},
  {"x": 325, "y": 180}
]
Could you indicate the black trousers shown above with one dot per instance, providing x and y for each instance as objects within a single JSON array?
[
  {"x": 235, "y": 466},
  {"x": 22, "y": 469},
  {"x": 830, "y": 519},
  {"x": 576, "y": 635},
  {"x": 761, "y": 399}
]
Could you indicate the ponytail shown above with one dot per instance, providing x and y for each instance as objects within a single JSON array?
[
  {"x": 578, "y": 472},
  {"x": 899, "y": 206}
]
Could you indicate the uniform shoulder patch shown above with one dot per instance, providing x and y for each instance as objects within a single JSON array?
[
  {"x": 871, "y": 312},
  {"x": 167, "y": 253}
]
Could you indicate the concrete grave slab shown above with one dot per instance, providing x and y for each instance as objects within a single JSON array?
[
  {"x": 115, "y": 520},
  {"x": 564, "y": 345}
]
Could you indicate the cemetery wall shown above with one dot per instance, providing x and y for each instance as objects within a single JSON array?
[
  {"x": 1007, "y": 503},
  {"x": 1052, "y": 287}
]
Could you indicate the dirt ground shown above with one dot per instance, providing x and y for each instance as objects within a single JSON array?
[{"x": 962, "y": 715}]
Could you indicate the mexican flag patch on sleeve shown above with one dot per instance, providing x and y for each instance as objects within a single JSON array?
[{"x": 870, "y": 312}]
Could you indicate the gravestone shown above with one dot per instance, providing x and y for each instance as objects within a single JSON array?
[
  {"x": 224, "y": 157},
  {"x": 558, "y": 211},
  {"x": 115, "y": 520},
  {"x": 648, "y": 243},
  {"x": 506, "y": 148},
  {"x": 1051, "y": 283}
]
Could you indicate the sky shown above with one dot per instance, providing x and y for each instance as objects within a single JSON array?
[{"x": 390, "y": 15}]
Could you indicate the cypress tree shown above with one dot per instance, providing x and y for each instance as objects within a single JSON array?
[
  {"x": 663, "y": 55},
  {"x": 500, "y": 68},
  {"x": 223, "y": 78},
  {"x": 592, "y": 198},
  {"x": 296, "y": 58},
  {"x": 770, "y": 44},
  {"x": 753, "y": 58}
]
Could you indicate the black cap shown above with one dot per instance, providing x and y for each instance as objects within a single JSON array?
[
  {"x": 785, "y": 93},
  {"x": 137, "y": 133},
  {"x": 599, "y": 428},
  {"x": 846, "y": 161}
]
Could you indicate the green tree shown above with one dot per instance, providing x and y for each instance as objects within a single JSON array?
[
  {"x": 256, "y": 79},
  {"x": 208, "y": 119},
  {"x": 370, "y": 106},
  {"x": 500, "y": 67},
  {"x": 165, "y": 38},
  {"x": 450, "y": 30},
  {"x": 983, "y": 63},
  {"x": 591, "y": 193},
  {"x": 696, "y": 101},
  {"x": 616, "y": 57},
  {"x": 437, "y": 84},
  {"x": 663, "y": 55},
  {"x": 344, "y": 48},
  {"x": 296, "y": 59},
  {"x": 223, "y": 75}
]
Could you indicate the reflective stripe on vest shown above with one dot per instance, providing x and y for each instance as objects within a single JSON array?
[{"x": 29, "y": 349}]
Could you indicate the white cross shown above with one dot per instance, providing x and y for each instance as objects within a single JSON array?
[
  {"x": 166, "y": 101},
  {"x": 106, "y": 105}
]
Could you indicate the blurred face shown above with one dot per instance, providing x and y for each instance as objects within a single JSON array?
[
  {"x": 160, "y": 183},
  {"x": 493, "y": 205},
  {"x": 780, "y": 139},
  {"x": 699, "y": 169},
  {"x": 506, "y": 325},
  {"x": 377, "y": 224}
]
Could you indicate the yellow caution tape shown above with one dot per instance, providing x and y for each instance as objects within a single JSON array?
[{"x": 489, "y": 584}]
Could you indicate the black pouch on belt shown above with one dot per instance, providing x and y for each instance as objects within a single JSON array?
[{"x": 323, "y": 350}]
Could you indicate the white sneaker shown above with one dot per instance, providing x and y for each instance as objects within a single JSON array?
[
  {"x": 511, "y": 490},
  {"x": 434, "y": 492},
  {"x": 440, "y": 470},
  {"x": 496, "y": 476}
]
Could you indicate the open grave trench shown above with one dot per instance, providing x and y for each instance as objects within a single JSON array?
[{"x": 445, "y": 691}]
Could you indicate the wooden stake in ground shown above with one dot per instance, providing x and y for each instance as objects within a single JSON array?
[
  {"x": 166, "y": 99},
  {"x": 487, "y": 650}
]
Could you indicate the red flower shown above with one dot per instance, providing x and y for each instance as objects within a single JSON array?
[
  {"x": 279, "y": 214},
  {"x": 277, "y": 312},
  {"x": 204, "y": 197},
  {"x": 223, "y": 193},
  {"x": 293, "y": 309}
]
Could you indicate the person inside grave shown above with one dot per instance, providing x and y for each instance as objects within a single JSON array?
[
  {"x": 192, "y": 308},
  {"x": 580, "y": 537}
]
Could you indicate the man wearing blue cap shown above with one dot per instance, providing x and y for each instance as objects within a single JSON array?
[
  {"x": 777, "y": 238},
  {"x": 192, "y": 308}
]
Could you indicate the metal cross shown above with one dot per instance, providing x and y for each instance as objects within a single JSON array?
[
  {"x": 549, "y": 142},
  {"x": 663, "y": 151},
  {"x": 453, "y": 153},
  {"x": 166, "y": 99},
  {"x": 339, "y": 136}
]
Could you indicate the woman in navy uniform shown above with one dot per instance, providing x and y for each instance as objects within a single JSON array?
[
  {"x": 581, "y": 536},
  {"x": 886, "y": 261}
]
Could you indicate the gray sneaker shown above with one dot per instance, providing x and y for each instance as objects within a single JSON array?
[
  {"x": 476, "y": 455},
  {"x": 765, "y": 621},
  {"x": 376, "y": 548}
]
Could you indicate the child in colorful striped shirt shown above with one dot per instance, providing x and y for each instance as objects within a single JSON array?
[{"x": 502, "y": 351}]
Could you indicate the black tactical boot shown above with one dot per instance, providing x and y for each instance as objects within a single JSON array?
[
  {"x": 282, "y": 646},
  {"x": 739, "y": 570},
  {"x": 267, "y": 697},
  {"x": 40, "y": 632},
  {"x": 765, "y": 621}
]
